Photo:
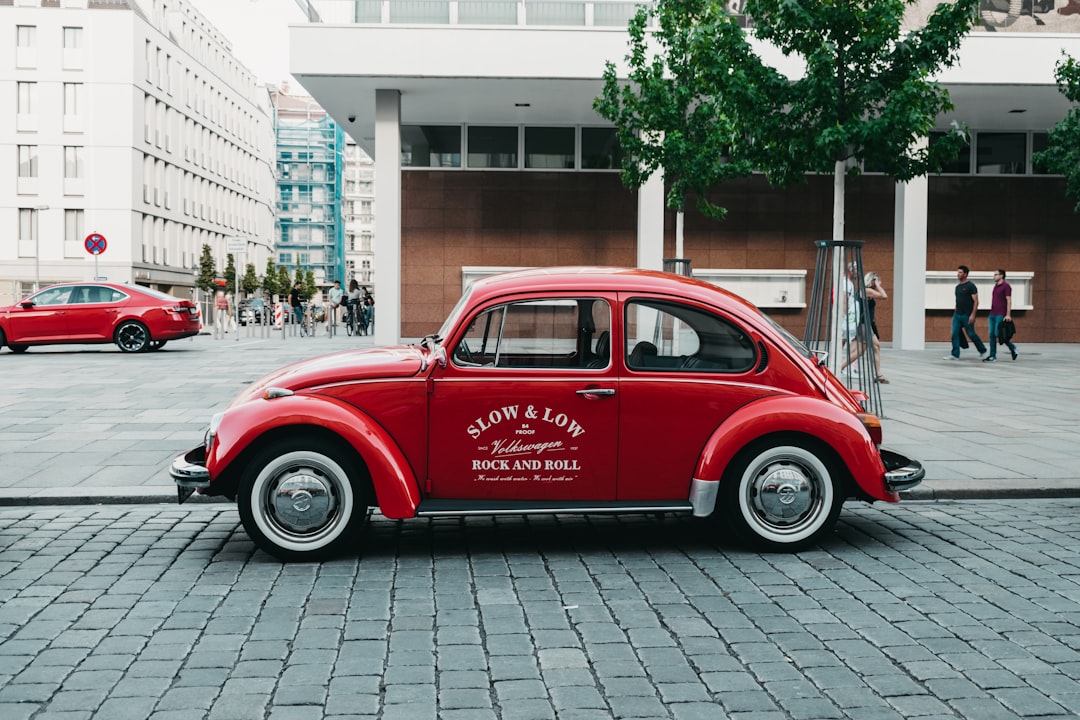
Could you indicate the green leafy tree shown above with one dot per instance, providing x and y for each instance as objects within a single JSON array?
[
  {"x": 867, "y": 94},
  {"x": 300, "y": 277},
  {"x": 250, "y": 282},
  {"x": 270, "y": 279},
  {"x": 310, "y": 288},
  {"x": 285, "y": 282},
  {"x": 667, "y": 117},
  {"x": 230, "y": 272},
  {"x": 1062, "y": 153},
  {"x": 206, "y": 279}
]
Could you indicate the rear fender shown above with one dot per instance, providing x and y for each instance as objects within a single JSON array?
[
  {"x": 786, "y": 414},
  {"x": 394, "y": 482}
]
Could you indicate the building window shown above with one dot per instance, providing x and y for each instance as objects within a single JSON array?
[
  {"x": 72, "y": 38},
  {"x": 549, "y": 148},
  {"x": 28, "y": 225},
  {"x": 28, "y": 161},
  {"x": 1038, "y": 144},
  {"x": 73, "y": 162},
  {"x": 600, "y": 149},
  {"x": 25, "y": 36},
  {"x": 74, "y": 232},
  {"x": 72, "y": 99},
  {"x": 961, "y": 165},
  {"x": 1001, "y": 153},
  {"x": 25, "y": 46},
  {"x": 493, "y": 147},
  {"x": 26, "y": 95},
  {"x": 431, "y": 146}
]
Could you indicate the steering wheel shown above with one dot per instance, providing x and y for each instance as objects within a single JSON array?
[{"x": 463, "y": 347}]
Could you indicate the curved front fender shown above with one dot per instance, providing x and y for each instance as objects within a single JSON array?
[
  {"x": 836, "y": 427},
  {"x": 395, "y": 483}
]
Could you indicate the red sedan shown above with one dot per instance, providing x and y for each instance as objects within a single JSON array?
[
  {"x": 560, "y": 390},
  {"x": 135, "y": 318}
]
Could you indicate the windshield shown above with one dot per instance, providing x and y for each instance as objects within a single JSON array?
[
  {"x": 455, "y": 315},
  {"x": 791, "y": 339}
]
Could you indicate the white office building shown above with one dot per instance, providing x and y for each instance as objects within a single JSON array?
[
  {"x": 129, "y": 119},
  {"x": 489, "y": 156},
  {"x": 359, "y": 216}
]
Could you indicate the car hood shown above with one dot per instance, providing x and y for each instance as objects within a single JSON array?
[{"x": 395, "y": 361}]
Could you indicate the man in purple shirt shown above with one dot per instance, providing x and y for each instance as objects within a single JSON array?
[{"x": 1000, "y": 311}]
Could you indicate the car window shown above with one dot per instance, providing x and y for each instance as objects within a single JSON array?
[
  {"x": 95, "y": 294},
  {"x": 671, "y": 336},
  {"x": 548, "y": 333},
  {"x": 52, "y": 296}
]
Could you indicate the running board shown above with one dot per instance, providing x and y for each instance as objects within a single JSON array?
[{"x": 438, "y": 508}]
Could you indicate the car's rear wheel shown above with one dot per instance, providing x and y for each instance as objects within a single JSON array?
[
  {"x": 132, "y": 336},
  {"x": 18, "y": 348},
  {"x": 298, "y": 501},
  {"x": 783, "y": 494}
]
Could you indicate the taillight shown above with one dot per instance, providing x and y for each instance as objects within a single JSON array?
[{"x": 872, "y": 423}]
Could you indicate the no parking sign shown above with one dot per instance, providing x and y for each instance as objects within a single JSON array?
[{"x": 95, "y": 243}]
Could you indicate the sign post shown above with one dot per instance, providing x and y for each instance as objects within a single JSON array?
[{"x": 95, "y": 244}]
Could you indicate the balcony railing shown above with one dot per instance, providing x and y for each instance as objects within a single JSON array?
[{"x": 549, "y": 13}]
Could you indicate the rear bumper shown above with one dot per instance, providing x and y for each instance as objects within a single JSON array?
[
  {"x": 189, "y": 473},
  {"x": 901, "y": 473}
]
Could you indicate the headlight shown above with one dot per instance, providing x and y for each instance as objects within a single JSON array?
[{"x": 211, "y": 432}]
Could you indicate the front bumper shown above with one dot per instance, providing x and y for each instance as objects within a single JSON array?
[
  {"x": 189, "y": 473},
  {"x": 901, "y": 473}
]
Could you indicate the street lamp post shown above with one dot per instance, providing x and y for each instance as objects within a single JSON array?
[{"x": 37, "y": 247}]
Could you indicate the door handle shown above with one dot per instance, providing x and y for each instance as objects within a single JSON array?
[{"x": 597, "y": 392}]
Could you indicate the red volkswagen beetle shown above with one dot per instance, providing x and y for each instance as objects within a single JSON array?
[
  {"x": 559, "y": 390},
  {"x": 135, "y": 318}
]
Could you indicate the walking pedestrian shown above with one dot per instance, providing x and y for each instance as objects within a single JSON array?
[
  {"x": 221, "y": 314},
  {"x": 297, "y": 308},
  {"x": 335, "y": 302},
  {"x": 963, "y": 319},
  {"x": 1000, "y": 313}
]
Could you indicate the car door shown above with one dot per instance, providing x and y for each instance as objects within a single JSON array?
[
  {"x": 687, "y": 368},
  {"x": 44, "y": 319},
  {"x": 93, "y": 311},
  {"x": 526, "y": 407}
]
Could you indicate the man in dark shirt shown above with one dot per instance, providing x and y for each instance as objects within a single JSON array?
[
  {"x": 967, "y": 305},
  {"x": 294, "y": 302}
]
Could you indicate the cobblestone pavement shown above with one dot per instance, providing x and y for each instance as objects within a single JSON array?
[{"x": 924, "y": 610}]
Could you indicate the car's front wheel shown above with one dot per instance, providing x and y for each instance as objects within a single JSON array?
[
  {"x": 783, "y": 495},
  {"x": 297, "y": 499},
  {"x": 132, "y": 337}
]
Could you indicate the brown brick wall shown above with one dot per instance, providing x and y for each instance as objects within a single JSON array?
[{"x": 453, "y": 219}]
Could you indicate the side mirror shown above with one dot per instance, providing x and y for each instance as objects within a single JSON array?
[{"x": 26, "y": 304}]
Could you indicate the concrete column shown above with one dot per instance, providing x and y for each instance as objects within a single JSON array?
[
  {"x": 387, "y": 217},
  {"x": 909, "y": 267},
  {"x": 650, "y": 223}
]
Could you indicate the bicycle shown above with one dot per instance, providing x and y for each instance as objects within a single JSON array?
[{"x": 353, "y": 321}]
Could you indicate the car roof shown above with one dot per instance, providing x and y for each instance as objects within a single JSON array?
[
  {"x": 598, "y": 278},
  {"x": 114, "y": 286}
]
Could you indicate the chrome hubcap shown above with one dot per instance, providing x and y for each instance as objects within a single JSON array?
[
  {"x": 303, "y": 502},
  {"x": 782, "y": 494}
]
